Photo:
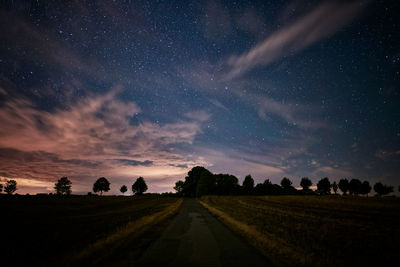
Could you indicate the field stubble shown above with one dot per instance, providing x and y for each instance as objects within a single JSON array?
[
  {"x": 51, "y": 230},
  {"x": 314, "y": 230}
]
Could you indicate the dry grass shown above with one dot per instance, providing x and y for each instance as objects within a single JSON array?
[
  {"x": 102, "y": 248},
  {"x": 50, "y": 230},
  {"x": 313, "y": 230}
]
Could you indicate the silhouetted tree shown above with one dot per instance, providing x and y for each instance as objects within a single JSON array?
[
  {"x": 179, "y": 187},
  {"x": 192, "y": 179},
  {"x": 324, "y": 186},
  {"x": 206, "y": 184},
  {"x": 381, "y": 189},
  {"x": 10, "y": 187},
  {"x": 398, "y": 188},
  {"x": 248, "y": 185},
  {"x": 355, "y": 186},
  {"x": 259, "y": 189},
  {"x": 271, "y": 189},
  {"x": 344, "y": 185},
  {"x": 63, "y": 186},
  {"x": 287, "y": 187},
  {"x": 123, "y": 189},
  {"x": 335, "y": 187},
  {"x": 365, "y": 188},
  {"x": 101, "y": 185},
  {"x": 267, "y": 188},
  {"x": 139, "y": 187},
  {"x": 305, "y": 183},
  {"x": 286, "y": 183},
  {"x": 226, "y": 184},
  {"x": 1, "y": 188}
]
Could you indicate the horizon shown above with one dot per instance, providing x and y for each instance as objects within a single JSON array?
[{"x": 122, "y": 90}]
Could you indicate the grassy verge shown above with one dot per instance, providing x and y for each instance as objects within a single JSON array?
[
  {"x": 103, "y": 250},
  {"x": 50, "y": 230},
  {"x": 313, "y": 230}
]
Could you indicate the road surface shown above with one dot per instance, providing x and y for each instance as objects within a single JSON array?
[{"x": 196, "y": 238}]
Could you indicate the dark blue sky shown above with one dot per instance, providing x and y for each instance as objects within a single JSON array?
[{"x": 152, "y": 88}]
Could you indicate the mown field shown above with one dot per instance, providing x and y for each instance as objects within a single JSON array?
[
  {"x": 315, "y": 230},
  {"x": 80, "y": 230}
]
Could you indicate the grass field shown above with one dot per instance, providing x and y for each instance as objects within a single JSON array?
[
  {"x": 80, "y": 230},
  {"x": 315, "y": 230}
]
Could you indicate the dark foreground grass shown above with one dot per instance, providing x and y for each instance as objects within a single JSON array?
[
  {"x": 58, "y": 231},
  {"x": 314, "y": 230}
]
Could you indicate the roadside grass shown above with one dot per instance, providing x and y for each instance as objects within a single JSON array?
[
  {"x": 314, "y": 230},
  {"x": 103, "y": 250},
  {"x": 51, "y": 230}
]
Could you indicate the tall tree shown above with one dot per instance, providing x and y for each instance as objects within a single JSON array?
[
  {"x": 324, "y": 186},
  {"x": 344, "y": 185},
  {"x": 286, "y": 183},
  {"x": 101, "y": 185},
  {"x": 191, "y": 180},
  {"x": 10, "y": 187},
  {"x": 63, "y": 186},
  {"x": 382, "y": 189},
  {"x": 335, "y": 187},
  {"x": 354, "y": 187},
  {"x": 139, "y": 187},
  {"x": 287, "y": 187},
  {"x": 206, "y": 184},
  {"x": 179, "y": 186},
  {"x": 305, "y": 183},
  {"x": 248, "y": 185},
  {"x": 365, "y": 188},
  {"x": 123, "y": 189},
  {"x": 226, "y": 184}
]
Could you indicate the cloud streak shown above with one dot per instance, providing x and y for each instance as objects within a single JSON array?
[{"x": 318, "y": 24}]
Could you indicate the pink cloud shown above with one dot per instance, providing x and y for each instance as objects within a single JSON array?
[{"x": 92, "y": 138}]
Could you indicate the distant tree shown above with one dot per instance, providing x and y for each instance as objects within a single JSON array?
[
  {"x": 248, "y": 185},
  {"x": 305, "y": 183},
  {"x": 1, "y": 188},
  {"x": 286, "y": 188},
  {"x": 382, "y": 189},
  {"x": 192, "y": 179},
  {"x": 101, "y": 185},
  {"x": 365, "y": 188},
  {"x": 259, "y": 189},
  {"x": 10, "y": 187},
  {"x": 324, "y": 186},
  {"x": 63, "y": 186},
  {"x": 123, "y": 189},
  {"x": 139, "y": 187},
  {"x": 286, "y": 183},
  {"x": 335, "y": 187},
  {"x": 226, "y": 184},
  {"x": 179, "y": 187},
  {"x": 355, "y": 187},
  {"x": 206, "y": 184},
  {"x": 344, "y": 185}
]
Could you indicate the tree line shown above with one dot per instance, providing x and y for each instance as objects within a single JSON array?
[
  {"x": 64, "y": 186},
  {"x": 200, "y": 181}
]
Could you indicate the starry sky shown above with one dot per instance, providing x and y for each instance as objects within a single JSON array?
[{"x": 123, "y": 89}]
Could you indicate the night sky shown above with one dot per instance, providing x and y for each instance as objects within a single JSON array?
[{"x": 123, "y": 89}]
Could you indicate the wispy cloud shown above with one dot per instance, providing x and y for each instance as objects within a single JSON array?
[{"x": 318, "y": 24}]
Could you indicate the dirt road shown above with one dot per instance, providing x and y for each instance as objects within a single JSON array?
[{"x": 196, "y": 238}]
